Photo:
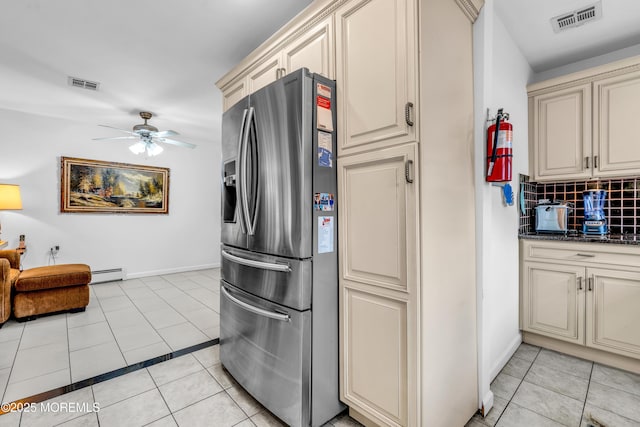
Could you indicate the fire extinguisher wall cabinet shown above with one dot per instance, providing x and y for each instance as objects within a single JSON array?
[{"x": 499, "y": 149}]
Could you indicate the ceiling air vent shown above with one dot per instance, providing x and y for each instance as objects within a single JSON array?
[
  {"x": 85, "y": 84},
  {"x": 577, "y": 17}
]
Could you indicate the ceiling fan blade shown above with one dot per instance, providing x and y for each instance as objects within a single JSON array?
[
  {"x": 115, "y": 137},
  {"x": 174, "y": 142},
  {"x": 121, "y": 130},
  {"x": 164, "y": 133}
]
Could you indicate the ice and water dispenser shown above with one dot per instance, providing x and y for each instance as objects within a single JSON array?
[{"x": 229, "y": 196}]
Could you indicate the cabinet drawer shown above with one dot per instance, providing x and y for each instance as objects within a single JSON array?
[{"x": 587, "y": 253}]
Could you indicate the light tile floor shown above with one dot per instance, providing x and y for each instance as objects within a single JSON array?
[
  {"x": 191, "y": 390},
  {"x": 125, "y": 322},
  {"x": 540, "y": 387}
]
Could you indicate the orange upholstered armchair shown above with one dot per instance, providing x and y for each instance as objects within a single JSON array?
[{"x": 9, "y": 271}]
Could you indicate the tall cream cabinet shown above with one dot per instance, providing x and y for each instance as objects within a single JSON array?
[
  {"x": 406, "y": 197},
  {"x": 379, "y": 285},
  {"x": 584, "y": 294},
  {"x": 585, "y": 125}
]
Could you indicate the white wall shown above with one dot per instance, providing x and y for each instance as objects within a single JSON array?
[
  {"x": 143, "y": 244},
  {"x": 501, "y": 74},
  {"x": 587, "y": 63}
]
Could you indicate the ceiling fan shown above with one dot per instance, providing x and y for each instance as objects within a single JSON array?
[{"x": 148, "y": 137}]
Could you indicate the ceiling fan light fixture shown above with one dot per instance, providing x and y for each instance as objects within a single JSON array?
[
  {"x": 154, "y": 149},
  {"x": 138, "y": 147},
  {"x": 149, "y": 137}
]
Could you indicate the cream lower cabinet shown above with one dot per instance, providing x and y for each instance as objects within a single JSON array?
[
  {"x": 613, "y": 311},
  {"x": 554, "y": 301},
  {"x": 378, "y": 285},
  {"x": 583, "y": 294}
]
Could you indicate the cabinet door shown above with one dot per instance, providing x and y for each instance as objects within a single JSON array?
[
  {"x": 266, "y": 72},
  {"x": 378, "y": 218},
  {"x": 314, "y": 49},
  {"x": 552, "y": 301},
  {"x": 562, "y": 134},
  {"x": 233, "y": 94},
  {"x": 616, "y": 103},
  {"x": 613, "y": 311},
  {"x": 376, "y": 53},
  {"x": 378, "y": 284}
]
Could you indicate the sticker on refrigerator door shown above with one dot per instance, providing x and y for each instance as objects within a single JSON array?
[
  {"x": 323, "y": 90},
  {"x": 323, "y": 202},
  {"x": 324, "y": 118},
  {"x": 325, "y": 234},
  {"x": 325, "y": 149}
]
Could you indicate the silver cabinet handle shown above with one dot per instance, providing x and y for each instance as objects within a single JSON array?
[
  {"x": 408, "y": 112},
  {"x": 595, "y": 162},
  {"x": 254, "y": 309},
  {"x": 407, "y": 171},
  {"x": 586, "y": 255},
  {"x": 590, "y": 283},
  {"x": 283, "y": 268},
  {"x": 579, "y": 283},
  {"x": 586, "y": 162},
  {"x": 278, "y": 73}
]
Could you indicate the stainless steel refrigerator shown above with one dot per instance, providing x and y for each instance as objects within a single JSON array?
[{"x": 279, "y": 286}]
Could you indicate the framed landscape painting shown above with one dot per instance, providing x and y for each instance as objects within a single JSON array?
[{"x": 107, "y": 187}]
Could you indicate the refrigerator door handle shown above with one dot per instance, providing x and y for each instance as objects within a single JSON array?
[
  {"x": 283, "y": 268},
  {"x": 254, "y": 309},
  {"x": 240, "y": 170},
  {"x": 243, "y": 162}
]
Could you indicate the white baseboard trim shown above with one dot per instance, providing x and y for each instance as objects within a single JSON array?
[
  {"x": 506, "y": 355},
  {"x": 171, "y": 270},
  {"x": 487, "y": 403}
]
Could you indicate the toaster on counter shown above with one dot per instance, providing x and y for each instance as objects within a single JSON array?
[{"x": 552, "y": 217}]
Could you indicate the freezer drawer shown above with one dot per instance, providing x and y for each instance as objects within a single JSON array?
[
  {"x": 267, "y": 348},
  {"x": 284, "y": 281}
]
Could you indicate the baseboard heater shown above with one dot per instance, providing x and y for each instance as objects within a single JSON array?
[{"x": 110, "y": 275}]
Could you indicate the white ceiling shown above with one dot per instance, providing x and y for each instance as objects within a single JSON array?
[
  {"x": 162, "y": 56},
  {"x": 528, "y": 22}
]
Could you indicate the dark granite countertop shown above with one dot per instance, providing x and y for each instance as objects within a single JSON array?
[{"x": 621, "y": 239}]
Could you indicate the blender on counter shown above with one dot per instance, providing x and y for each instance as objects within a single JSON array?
[{"x": 595, "y": 222}]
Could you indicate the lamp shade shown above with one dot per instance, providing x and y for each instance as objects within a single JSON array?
[{"x": 10, "y": 197}]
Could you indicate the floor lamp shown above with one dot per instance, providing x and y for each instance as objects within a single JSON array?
[{"x": 9, "y": 200}]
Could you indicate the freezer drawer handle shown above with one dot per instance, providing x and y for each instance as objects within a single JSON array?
[
  {"x": 284, "y": 268},
  {"x": 254, "y": 309}
]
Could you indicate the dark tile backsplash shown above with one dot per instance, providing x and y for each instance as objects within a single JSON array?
[{"x": 622, "y": 206}]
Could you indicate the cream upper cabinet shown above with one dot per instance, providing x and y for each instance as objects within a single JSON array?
[
  {"x": 268, "y": 71},
  {"x": 234, "y": 94},
  {"x": 613, "y": 313},
  {"x": 585, "y": 125},
  {"x": 562, "y": 131},
  {"x": 553, "y": 300},
  {"x": 376, "y": 54},
  {"x": 616, "y": 103},
  {"x": 314, "y": 49},
  {"x": 378, "y": 284}
]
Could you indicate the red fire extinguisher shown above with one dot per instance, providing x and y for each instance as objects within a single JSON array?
[{"x": 499, "y": 149}]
